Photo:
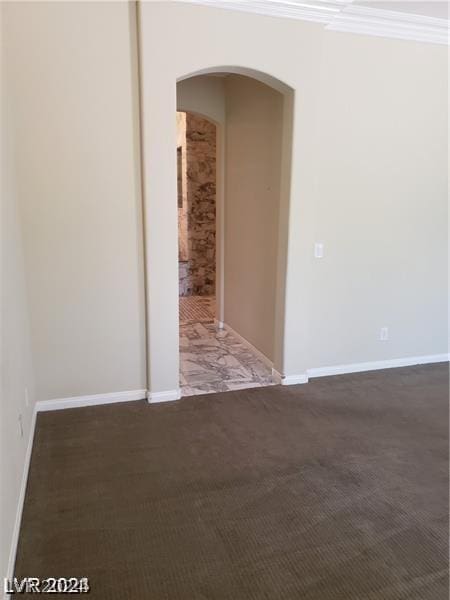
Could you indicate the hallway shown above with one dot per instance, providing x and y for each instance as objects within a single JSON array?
[{"x": 215, "y": 360}]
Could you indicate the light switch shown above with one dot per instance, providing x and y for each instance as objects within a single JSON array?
[{"x": 318, "y": 250}]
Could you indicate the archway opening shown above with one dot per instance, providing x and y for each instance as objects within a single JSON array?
[{"x": 233, "y": 194}]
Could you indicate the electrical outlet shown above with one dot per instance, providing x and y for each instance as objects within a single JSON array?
[
  {"x": 384, "y": 334},
  {"x": 27, "y": 399},
  {"x": 20, "y": 426}
]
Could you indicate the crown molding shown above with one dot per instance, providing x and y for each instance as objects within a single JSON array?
[
  {"x": 342, "y": 15},
  {"x": 318, "y": 11},
  {"x": 390, "y": 24}
]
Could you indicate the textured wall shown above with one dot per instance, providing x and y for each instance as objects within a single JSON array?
[
  {"x": 77, "y": 160},
  {"x": 197, "y": 276}
]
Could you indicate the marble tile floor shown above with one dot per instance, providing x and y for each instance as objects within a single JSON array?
[{"x": 214, "y": 360}]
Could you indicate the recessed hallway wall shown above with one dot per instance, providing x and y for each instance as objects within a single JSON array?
[{"x": 254, "y": 126}]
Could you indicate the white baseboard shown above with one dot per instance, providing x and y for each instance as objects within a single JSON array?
[
  {"x": 294, "y": 379},
  {"x": 394, "y": 363},
  {"x": 21, "y": 500},
  {"x": 278, "y": 377},
  {"x": 93, "y": 400},
  {"x": 167, "y": 396},
  {"x": 262, "y": 357}
]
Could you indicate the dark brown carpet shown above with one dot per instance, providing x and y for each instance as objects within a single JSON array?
[{"x": 333, "y": 490}]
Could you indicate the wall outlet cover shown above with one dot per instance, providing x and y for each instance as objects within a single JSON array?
[
  {"x": 384, "y": 334},
  {"x": 318, "y": 250}
]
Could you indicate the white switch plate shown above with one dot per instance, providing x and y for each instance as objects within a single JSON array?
[
  {"x": 318, "y": 250},
  {"x": 384, "y": 334}
]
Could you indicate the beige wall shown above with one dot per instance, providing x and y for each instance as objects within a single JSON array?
[
  {"x": 376, "y": 201},
  {"x": 203, "y": 95},
  {"x": 367, "y": 180},
  {"x": 17, "y": 379},
  {"x": 74, "y": 92},
  {"x": 165, "y": 28},
  {"x": 252, "y": 202},
  {"x": 380, "y": 202}
]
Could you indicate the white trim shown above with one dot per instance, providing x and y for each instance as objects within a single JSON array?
[
  {"x": 318, "y": 11},
  {"x": 391, "y": 24},
  {"x": 376, "y": 365},
  {"x": 393, "y": 363},
  {"x": 342, "y": 15},
  {"x": 294, "y": 379},
  {"x": 167, "y": 396},
  {"x": 93, "y": 400},
  {"x": 21, "y": 500},
  {"x": 277, "y": 376},
  {"x": 262, "y": 357},
  {"x": 219, "y": 324}
]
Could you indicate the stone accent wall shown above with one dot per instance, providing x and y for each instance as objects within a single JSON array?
[{"x": 197, "y": 274}]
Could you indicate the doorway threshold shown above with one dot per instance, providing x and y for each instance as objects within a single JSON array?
[{"x": 215, "y": 360}]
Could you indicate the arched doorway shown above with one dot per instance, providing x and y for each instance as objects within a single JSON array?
[
  {"x": 162, "y": 232},
  {"x": 250, "y": 116}
]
